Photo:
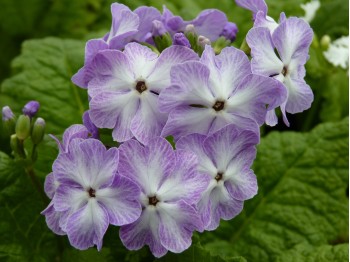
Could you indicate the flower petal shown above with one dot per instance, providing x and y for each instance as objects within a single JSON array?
[
  {"x": 69, "y": 197},
  {"x": 148, "y": 121},
  {"x": 144, "y": 231},
  {"x": 73, "y": 132},
  {"x": 159, "y": 78},
  {"x": 87, "y": 226},
  {"x": 224, "y": 146},
  {"x": 141, "y": 58},
  {"x": 113, "y": 73},
  {"x": 292, "y": 40},
  {"x": 184, "y": 183},
  {"x": 146, "y": 15},
  {"x": 300, "y": 95},
  {"x": 115, "y": 110},
  {"x": 253, "y": 94},
  {"x": 265, "y": 61},
  {"x": 194, "y": 143},
  {"x": 190, "y": 85},
  {"x": 50, "y": 185},
  {"x": 210, "y": 23},
  {"x": 177, "y": 223},
  {"x": 253, "y": 5},
  {"x": 120, "y": 201},
  {"x": 188, "y": 120},
  {"x": 52, "y": 218}
]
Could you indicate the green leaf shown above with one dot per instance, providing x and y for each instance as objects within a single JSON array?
[
  {"x": 303, "y": 180},
  {"x": 197, "y": 253},
  {"x": 24, "y": 234},
  {"x": 324, "y": 253},
  {"x": 44, "y": 70}
]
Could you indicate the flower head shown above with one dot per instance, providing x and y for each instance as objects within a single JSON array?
[
  {"x": 292, "y": 40},
  {"x": 7, "y": 114},
  {"x": 170, "y": 188},
  {"x": 91, "y": 195},
  {"x": 124, "y": 92},
  {"x": 225, "y": 157},
  {"x": 209, "y": 94}
]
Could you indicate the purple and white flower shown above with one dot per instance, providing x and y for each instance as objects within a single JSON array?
[
  {"x": 292, "y": 40},
  {"x": 90, "y": 194},
  {"x": 124, "y": 92},
  {"x": 170, "y": 189},
  {"x": 209, "y": 94},
  {"x": 225, "y": 157}
]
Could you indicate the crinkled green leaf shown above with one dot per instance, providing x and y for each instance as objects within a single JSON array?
[
  {"x": 23, "y": 231},
  {"x": 326, "y": 253},
  {"x": 44, "y": 70},
  {"x": 303, "y": 179},
  {"x": 197, "y": 253}
]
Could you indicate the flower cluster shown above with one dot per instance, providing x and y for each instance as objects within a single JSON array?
[{"x": 156, "y": 75}]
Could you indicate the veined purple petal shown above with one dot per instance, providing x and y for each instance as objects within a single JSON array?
[
  {"x": 184, "y": 183},
  {"x": 93, "y": 130},
  {"x": 262, "y": 20},
  {"x": 86, "y": 226},
  {"x": 69, "y": 196},
  {"x": 52, "y": 218},
  {"x": 148, "y": 121},
  {"x": 265, "y": 60},
  {"x": 146, "y": 15},
  {"x": 144, "y": 231},
  {"x": 177, "y": 223},
  {"x": 253, "y": 94},
  {"x": 292, "y": 40},
  {"x": 159, "y": 78},
  {"x": 120, "y": 201},
  {"x": 209, "y": 23},
  {"x": 253, "y": 5},
  {"x": 50, "y": 185},
  {"x": 300, "y": 95}
]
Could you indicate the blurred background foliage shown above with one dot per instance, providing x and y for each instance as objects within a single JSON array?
[{"x": 42, "y": 43}]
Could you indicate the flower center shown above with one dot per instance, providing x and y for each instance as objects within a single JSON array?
[
  {"x": 141, "y": 86},
  {"x": 219, "y": 176},
  {"x": 219, "y": 105},
  {"x": 153, "y": 200},
  {"x": 284, "y": 71},
  {"x": 92, "y": 192}
]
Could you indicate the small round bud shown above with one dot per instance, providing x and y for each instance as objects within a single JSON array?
[
  {"x": 23, "y": 127},
  {"x": 38, "y": 131},
  {"x": 9, "y": 119},
  {"x": 7, "y": 114},
  {"x": 189, "y": 28},
  {"x": 230, "y": 31},
  {"x": 202, "y": 41},
  {"x": 180, "y": 39},
  {"x": 325, "y": 42},
  {"x": 31, "y": 108}
]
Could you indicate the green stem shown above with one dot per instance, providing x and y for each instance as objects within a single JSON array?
[{"x": 30, "y": 172}]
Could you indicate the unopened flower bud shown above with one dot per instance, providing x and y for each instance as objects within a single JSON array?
[
  {"x": 31, "y": 108},
  {"x": 325, "y": 42},
  {"x": 189, "y": 28},
  {"x": 38, "y": 131},
  {"x": 23, "y": 127},
  {"x": 202, "y": 41},
  {"x": 180, "y": 39},
  {"x": 14, "y": 143},
  {"x": 230, "y": 31},
  {"x": 8, "y": 119}
]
